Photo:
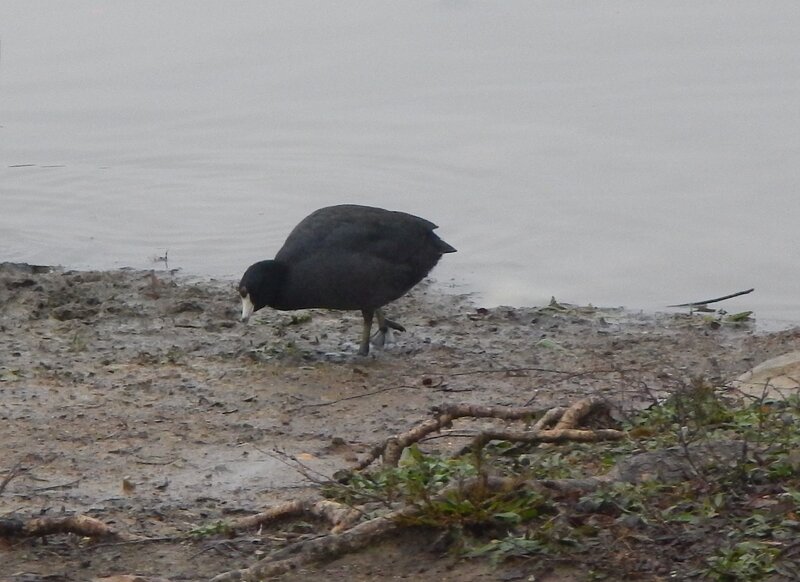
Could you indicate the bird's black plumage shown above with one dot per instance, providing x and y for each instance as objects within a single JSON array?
[{"x": 346, "y": 257}]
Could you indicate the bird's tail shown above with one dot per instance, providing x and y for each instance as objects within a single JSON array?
[{"x": 445, "y": 248}]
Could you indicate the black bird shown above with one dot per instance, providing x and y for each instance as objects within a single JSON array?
[{"x": 346, "y": 257}]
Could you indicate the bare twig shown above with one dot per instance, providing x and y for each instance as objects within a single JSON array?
[
  {"x": 707, "y": 301},
  {"x": 357, "y": 537},
  {"x": 569, "y": 374},
  {"x": 13, "y": 472},
  {"x": 392, "y": 448},
  {"x": 480, "y": 411},
  {"x": 548, "y": 436},
  {"x": 138, "y": 540},
  {"x": 294, "y": 463},
  {"x": 346, "y": 398},
  {"x": 340, "y": 516},
  {"x": 67, "y": 485},
  {"x": 511, "y": 371}
]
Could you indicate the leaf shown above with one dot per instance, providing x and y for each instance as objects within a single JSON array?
[
  {"x": 508, "y": 517},
  {"x": 549, "y": 344},
  {"x": 739, "y": 317}
]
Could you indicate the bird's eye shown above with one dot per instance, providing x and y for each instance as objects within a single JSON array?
[{"x": 243, "y": 291}]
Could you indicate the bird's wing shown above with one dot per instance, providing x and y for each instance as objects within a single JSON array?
[
  {"x": 347, "y": 280},
  {"x": 379, "y": 233}
]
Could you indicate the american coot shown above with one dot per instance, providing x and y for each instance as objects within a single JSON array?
[{"x": 346, "y": 257}]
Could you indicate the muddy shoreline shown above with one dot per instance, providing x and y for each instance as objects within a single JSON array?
[{"x": 138, "y": 398}]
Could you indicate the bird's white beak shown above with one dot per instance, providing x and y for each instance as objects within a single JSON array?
[{"x": 247, "y": 308}]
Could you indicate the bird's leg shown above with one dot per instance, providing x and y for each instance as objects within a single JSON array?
[
  {"x": 363, "y": 349},
  {"x": 379, "y": 339},
  {"x": 394, "y": 325}
]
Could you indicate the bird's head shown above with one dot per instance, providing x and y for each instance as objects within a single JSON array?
[
  {"x": 260, "y": 286},
  {"x": 248, "y": 307}
]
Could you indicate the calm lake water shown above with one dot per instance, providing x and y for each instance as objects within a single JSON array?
[{"x": 614, "y": 153}]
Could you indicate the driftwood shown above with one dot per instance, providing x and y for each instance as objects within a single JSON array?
[
  {"x": 357, "y": 537},
  {"x": 549, "y": 418},
  {"x": 339, "y": 516},
  {"x": 548, "y": 436},
  {"x": 666, "y": 466},
  {"x": 554, "y": 425},
  {"x": 347, "y": 533},
  {"x": 81, "y": 525},
  {"x": 563, "y": 419}
]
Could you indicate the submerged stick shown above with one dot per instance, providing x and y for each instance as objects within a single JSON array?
[{"x": 707, "y": 301}]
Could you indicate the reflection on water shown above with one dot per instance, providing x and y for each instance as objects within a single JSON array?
[{"x": 611, "y": 153}]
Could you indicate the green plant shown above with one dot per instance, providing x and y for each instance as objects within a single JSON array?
[
  {"x": 209, "y": 530},
  {"x": 508, "y": 547},
  {"x": 730, "y": 516},
  {"x": 299, "y": 319},
  {"x": 743, "y": 561},
  {"x": 432, "y": 483}
]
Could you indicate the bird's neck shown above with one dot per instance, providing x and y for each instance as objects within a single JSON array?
[{"x": 274, "y": 283}]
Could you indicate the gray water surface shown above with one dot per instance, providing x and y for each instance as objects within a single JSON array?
[{"x": 613, "y": 153}]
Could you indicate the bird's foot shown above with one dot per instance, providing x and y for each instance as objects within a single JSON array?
[
  {"x": 385, "y": 336},
  {"x": 393, "y": 324},
  {"x": 379, "y": 338}
]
